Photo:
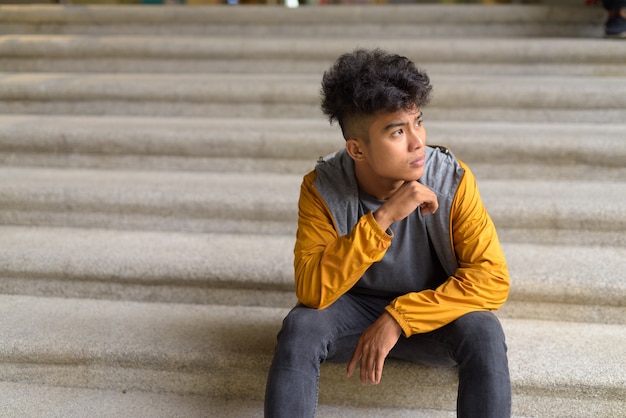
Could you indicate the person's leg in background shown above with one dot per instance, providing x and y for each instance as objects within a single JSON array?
[{"x": 615, "y": 26}]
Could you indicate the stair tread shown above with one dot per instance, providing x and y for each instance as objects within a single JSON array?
[
  {"x": 34, "y": 400},
  {"x": 72, "y": 402},
  {"x": 548, "y": 143},
  {"x": 540, "y": 273},
  {"x": 480, "y": 50},
  {"x": 336, "y": 22},
  {"x": 494, "y": 150},
  {"x": 469, "y": 97},
  {"x": 145, "y": 196},
  {"x": 557, "y": 357},
  {"x": 339, "y": 14},
  {"x": 478, "y": 90}
]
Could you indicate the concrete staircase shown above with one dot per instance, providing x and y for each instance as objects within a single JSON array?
[{"x": 150, "y": 164}]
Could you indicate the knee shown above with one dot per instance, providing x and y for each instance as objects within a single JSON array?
[
  {"x": 303, "y": 323},
  {"x": 302, "y": 334},
  {"x": 481, "y": 334}
]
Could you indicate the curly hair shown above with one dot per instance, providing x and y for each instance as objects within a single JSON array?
[{"x": 365, "y": 82}]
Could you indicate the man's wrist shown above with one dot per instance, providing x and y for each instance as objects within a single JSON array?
[
  {"x": 381, "y": 218},
  {"x": 392, "y": 321}
]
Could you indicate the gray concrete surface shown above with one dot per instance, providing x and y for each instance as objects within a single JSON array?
[
  {"x": 133, "y": 278},
  {"x": 194, "y": 349},
  {"x": 302, "y": 140},
  {"x": 431, "y": 20},
  {"x": 206, "y": 202},
  {"x": 149, "y": 265},
  {"x": 281, "y": 54},
  {"x": 504, "y": 98},
  {"x": 68, "y": 402}
]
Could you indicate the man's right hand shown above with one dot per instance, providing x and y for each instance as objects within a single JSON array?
[{"x": 410, "y": 196}]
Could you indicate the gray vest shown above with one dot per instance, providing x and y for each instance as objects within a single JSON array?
[{"x": 336, "y": 183}]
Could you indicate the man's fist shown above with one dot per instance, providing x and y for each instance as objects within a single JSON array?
[{"x": 410, "y": 196}]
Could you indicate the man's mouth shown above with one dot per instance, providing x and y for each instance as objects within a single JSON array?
[{"x": 418, "y": 162}]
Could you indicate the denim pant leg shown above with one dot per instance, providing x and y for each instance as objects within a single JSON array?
[
  {"x": 309, "y": 337},
  {"x": 475, "y": 343}
]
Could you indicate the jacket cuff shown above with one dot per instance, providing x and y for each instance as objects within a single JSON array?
[
  {"x": 383, "y": 235},
  {"x": 406, "y": 329}
]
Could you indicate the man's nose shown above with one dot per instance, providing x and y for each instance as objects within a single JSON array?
[{"x": 416, "y": 140}]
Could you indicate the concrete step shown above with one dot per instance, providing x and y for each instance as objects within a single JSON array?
[
  {"x": 360, "y": 21},
  {"x": 200, "y": 202},
  {"x": 32, "y": 400},
  {"x": 554, "y": 282},
  {"x": 174, "y": 308},
  {"x": 487, "y": 98},
  {"x": 493, "y": 149},
  {"x": 249, "y": 203},
  {"x": 225, "y": 351},
  {"x": 143, "y": 54}
]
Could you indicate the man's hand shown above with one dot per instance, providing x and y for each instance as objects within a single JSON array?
[
  {"x": 410, "y": 196},
  {"x": 373, "y": 347}
]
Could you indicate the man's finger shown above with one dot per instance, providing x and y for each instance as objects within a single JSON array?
[
  {"x": 365, "y": 368},
  {"x": 429, "y": 208},
  {"x": 356, "y": 356},
  {"x": 378, "y": 373},
  {"x": 371, "y": 367}
]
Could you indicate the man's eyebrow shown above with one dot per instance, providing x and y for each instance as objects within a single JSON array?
[
  {"x": 394, "y": 125},
  {"x": 399, "y": 124}
]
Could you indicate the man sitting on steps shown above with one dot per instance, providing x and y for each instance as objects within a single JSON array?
[{"x": 395, "y": 255}]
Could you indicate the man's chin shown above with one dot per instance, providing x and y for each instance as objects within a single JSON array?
[{"x": 417, "y": 176}]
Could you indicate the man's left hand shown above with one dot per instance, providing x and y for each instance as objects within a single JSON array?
[{"x": 373, "y": 347}]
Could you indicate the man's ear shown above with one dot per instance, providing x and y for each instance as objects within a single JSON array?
[{"x": 354, "y": 147}]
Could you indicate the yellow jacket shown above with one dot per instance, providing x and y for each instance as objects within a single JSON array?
[{"x": 328, "y": 263}]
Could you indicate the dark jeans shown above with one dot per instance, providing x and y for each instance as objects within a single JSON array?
[{"x": 475, "y": 343}]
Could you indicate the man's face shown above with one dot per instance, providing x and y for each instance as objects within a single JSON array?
[{"x": 395, "y": 150}]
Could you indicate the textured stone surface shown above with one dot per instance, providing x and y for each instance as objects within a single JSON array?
[
  {"x": 194, "y": 349},
  {"x": 540, "y": 273},
  {"x": 509, "y": 98},
  {"x": 150, "y": 170}
]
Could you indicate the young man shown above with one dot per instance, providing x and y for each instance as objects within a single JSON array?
[{"x": 395, "y": 255}]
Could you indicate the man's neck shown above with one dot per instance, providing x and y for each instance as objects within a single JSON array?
[{"x": 381, "y": 189}]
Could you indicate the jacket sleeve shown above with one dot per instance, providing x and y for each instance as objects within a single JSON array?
[
  {"x": 481, "y": 281},
  {"x": 328, "y": 265}
]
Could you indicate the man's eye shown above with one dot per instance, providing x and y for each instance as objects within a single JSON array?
[{"x": 419, "y": 122}]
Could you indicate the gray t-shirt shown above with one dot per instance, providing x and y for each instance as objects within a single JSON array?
[{"x": 410, "y": 263}]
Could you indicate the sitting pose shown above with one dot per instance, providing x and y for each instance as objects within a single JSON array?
[{"x": 395, "y": 254}]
